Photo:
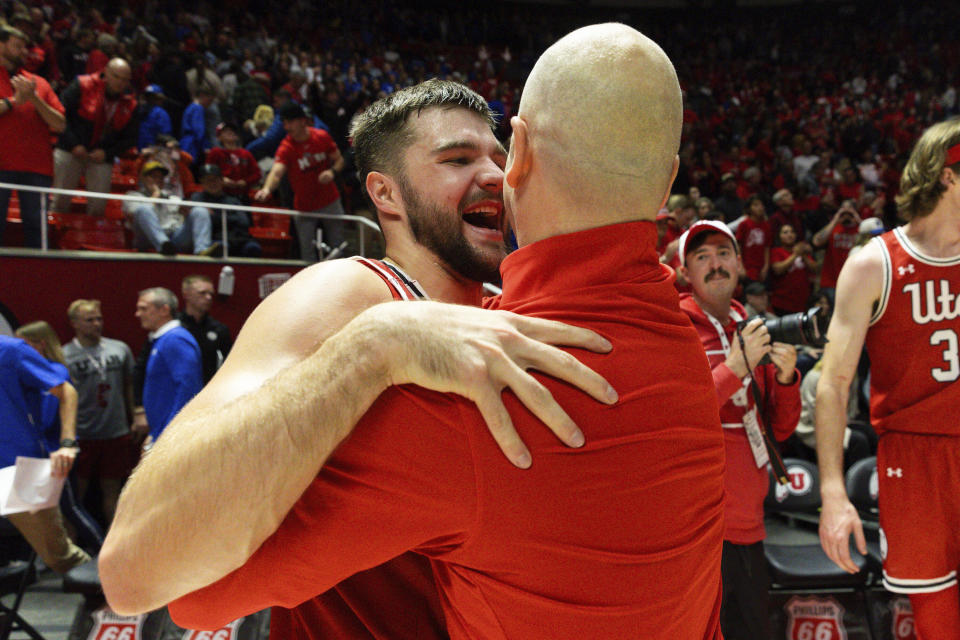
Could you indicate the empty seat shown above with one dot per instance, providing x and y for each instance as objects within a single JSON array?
[{"x": 794, "y": 555}]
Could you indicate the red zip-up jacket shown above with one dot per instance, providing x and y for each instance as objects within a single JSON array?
[{"x": 746, "y": 484}]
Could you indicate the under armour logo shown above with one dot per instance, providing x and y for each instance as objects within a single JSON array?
[
  {"x": 905, "y": 270},
  {"x": 891, "y": 472}
]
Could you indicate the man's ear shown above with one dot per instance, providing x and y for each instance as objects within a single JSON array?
[
  {"x": 947, "y": 177},
  {"x": 384, "y": 192},
  {"x": 682, "y": 270},
  {"x": 519, "y": 159},
  {"x": 673, "y": 176}
]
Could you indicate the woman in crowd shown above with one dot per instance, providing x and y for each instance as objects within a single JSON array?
[{"x": 792, "y": 264}]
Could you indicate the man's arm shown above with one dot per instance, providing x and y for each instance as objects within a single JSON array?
[
  {"x": 244, "y": 449},
  {"x": 336, "y": 166},
  {"x": 858, "y": 288},
  {"x": 70, "y": 99},
  {"x": 273, "y": 180},
  {"x": 47, "y": 106},
  {"x": 821, "y": 237}
]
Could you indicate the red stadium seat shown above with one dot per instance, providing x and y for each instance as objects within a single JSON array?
[
  {"x": 80, "y": 231},
  {"x": 274, "y": 242}
]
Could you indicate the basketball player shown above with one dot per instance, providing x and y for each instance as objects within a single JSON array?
[
  {"x": 898, "y": 295},
  {"x": 433, "y": 170}
]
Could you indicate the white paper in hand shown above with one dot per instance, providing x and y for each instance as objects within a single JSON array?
[{"x": 28, "y": 486}]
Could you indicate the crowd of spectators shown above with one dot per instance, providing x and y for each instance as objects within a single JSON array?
[
  {"x": 797, "y": 121},
  {"x": 824, "y": 102}
]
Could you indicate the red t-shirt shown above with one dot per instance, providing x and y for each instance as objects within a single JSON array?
[
  {"x": 838, "y": 248},
  {"x": 27, "y": 140},
  {"x": 305, "y": 161},
  {"x": 754, "y": 239},
  {"x": 621, "y": 538},
  {"x": 912, "y": 342},
  {"x": 789, "y": 291},
  {"x": 236, "y": 164}
]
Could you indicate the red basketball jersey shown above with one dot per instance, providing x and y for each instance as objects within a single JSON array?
[{"x": 913, "y": 341}]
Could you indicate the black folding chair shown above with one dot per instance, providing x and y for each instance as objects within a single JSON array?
[{"x": 16, "y": 574}]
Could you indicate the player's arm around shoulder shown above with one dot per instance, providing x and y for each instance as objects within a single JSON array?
[
  {"x": 291, "y": 324},
  {"x": 859, "y": 287},
  {"x": 237, "y": 457}
]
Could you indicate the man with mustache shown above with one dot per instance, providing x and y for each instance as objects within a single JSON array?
[
  {"x": 433, "y": 170},
  {"x": 710, "y": 260}
]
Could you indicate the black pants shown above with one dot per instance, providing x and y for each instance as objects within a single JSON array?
[{"x": 744, "y": 613}]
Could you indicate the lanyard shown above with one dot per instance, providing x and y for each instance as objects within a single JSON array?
[
  {"x": 99, "y": 364},
  {"x": 751, "y": 424}
]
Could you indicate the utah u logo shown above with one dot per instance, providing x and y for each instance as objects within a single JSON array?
[{"x": 905, "y": 270}]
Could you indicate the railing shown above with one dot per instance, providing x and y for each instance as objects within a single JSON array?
[{"x": 360, "y": 221}]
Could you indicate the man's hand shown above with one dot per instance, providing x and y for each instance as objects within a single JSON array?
[
  {"x": 79, "y": 151},
  {"x": 784, "y": 358},
  {"x": 24, "y": 90},
  {"x": 756, "y": 342},
  {"x": 326, "y": 177},
  {"x": 261, "y": 195},
  {"x": 476, "y": 354},
  {"x": 838, "y": 519},
  {"x": 98, "y": 155},
  {"x": 61, "y": 461},
  {"x": 139, "y": 425}
]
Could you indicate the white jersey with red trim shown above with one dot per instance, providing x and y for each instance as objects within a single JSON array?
[{"x": 913, "y": 341}]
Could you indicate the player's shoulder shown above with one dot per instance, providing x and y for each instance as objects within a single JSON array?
[
  {"x": 862, "y": 280},
  {"x": 868, "y": 261},
  {"x": 319, "y": 300}
]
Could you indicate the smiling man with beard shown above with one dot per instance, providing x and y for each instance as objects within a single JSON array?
[
  {"x": 710, "y": 260},
  {"x": 433, "y": 170}
]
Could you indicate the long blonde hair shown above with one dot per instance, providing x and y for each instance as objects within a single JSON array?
[
  {"x": 43, "y": 333},
  {"x": 920, "y": 185}
]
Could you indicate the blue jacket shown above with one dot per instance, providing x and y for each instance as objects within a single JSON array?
[
  {"x": 267, "y": 144},
  {"x": 194, "y": 129},
  {"x": 173, "y": 377},
  {"x": 24, "y": 377},
  {"x": 157, "y": 121}
]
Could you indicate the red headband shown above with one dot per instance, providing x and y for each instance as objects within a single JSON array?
[{"x": 953, "y": 156}]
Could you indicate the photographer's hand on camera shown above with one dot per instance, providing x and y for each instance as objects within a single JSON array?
[
  {"x": 784, "y": 358},
  {"x": 756, "y": 344}
]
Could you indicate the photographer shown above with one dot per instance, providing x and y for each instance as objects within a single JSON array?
[
  {"x": 838, "y": 236},
  {"x": 710, "y": 260}
]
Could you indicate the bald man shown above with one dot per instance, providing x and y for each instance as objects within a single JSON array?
[
  {"x": 619, "y": 538},
  {"x": 101, "y": 125}
]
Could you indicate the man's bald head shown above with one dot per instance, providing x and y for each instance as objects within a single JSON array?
[
  {"x": 604, "y": 113},
  {"x": 117, "y": 76}
]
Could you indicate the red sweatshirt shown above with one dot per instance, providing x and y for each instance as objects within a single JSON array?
[{"x": 746, "y": 484}]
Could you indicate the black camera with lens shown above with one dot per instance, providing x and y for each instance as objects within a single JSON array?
[{"x": 807, "y": 328}]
